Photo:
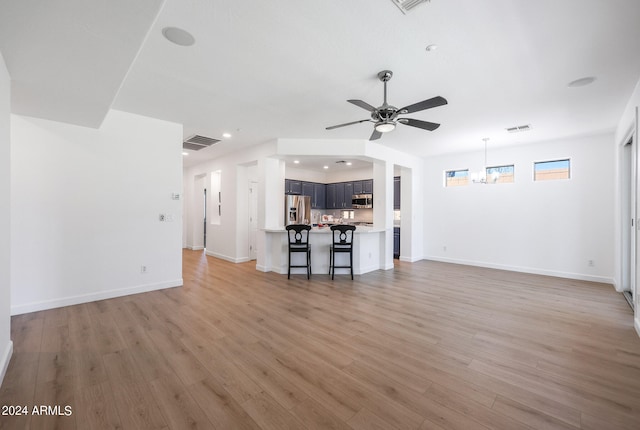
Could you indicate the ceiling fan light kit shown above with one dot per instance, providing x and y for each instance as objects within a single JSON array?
[
  {"x": 385, "y": 126},
  {"x": 385, "y": 117}
]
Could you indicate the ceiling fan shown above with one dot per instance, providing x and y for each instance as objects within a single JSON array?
[{"x": 385, "y": 117}]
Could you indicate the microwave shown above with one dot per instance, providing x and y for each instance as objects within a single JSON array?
[{"x": 362, "y": 201}]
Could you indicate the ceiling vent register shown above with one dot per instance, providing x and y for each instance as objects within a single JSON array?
[
  {"x": 406, "y": 5},
  {"x": 519, "y": 128},
  {"x": 197, "y": 142}
]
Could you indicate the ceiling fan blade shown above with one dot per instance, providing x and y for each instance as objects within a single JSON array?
[
  {"x": 363, "y": 105},
  {"x": 425, "y": 125},
  {"x": 375, "y": 135},
  {"x": 348, "y": 123},
  {"x": 425, "y": 104}
]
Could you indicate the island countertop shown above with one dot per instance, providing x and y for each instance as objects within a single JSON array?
[
  {"x": 367, "y": 247},
  {"x": 359, "y": 229}
]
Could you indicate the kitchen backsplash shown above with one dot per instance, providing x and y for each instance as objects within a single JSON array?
[{"x": 359, "y": 215}]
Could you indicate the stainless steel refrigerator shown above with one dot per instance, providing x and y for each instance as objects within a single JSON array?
[{"x": 297, "y": 210}]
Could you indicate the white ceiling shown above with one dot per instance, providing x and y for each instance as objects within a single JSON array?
[
  {"x": 267, "y": 69},
  {"x": 68, "y": 58}
]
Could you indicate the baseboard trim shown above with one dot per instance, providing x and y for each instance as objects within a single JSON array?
[
  {"x": 227, "y": 258},
  {"x": 4, "y": 361},
  {"x": 262, "y": 268},
  {"x": 195, "y": 248},
  {"x": 636, "y": 324},
  {"x": 410, "y": 260},
  {"x": 92, "y": 297},
  {"x": 532, "y": 270}
]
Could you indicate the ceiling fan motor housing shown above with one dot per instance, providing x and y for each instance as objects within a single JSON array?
[{"x": 384, "y": 113}]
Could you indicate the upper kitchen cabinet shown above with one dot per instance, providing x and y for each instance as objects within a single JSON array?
[
  {"x": 292, "y": 186},
  {"x": 307, "y": 189},
  {"x": 348, "y": 193},
  {"x": 335, "y": 196},
  {"x": 363, "y": 187},
  {"x": 318, "y": 199},
  {"x": 339, "y": 195}
]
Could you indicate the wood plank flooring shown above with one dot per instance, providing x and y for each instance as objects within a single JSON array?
[{"x": 424, "y": 346}]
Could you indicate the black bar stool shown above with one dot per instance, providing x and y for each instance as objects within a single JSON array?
[
  {"x": 299, "y": 242},
  {"x": 342, "y": 243}
]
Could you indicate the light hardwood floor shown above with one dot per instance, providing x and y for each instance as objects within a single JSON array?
[{"x": 424, "y": 346}]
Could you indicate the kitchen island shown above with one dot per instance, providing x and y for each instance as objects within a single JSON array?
[{"x": 367, "y": 245}]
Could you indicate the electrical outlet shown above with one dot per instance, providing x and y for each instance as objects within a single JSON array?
[
  {"x": 143, "y": 269},
  {"x": 444, "y": 248},
  {"x": 590, "y": 263},
  {"x": 162, "y": 217}
]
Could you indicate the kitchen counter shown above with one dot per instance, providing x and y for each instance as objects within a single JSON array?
[
  {"x": 359, "y": 229},
  {"x": 367, "y": 245}
]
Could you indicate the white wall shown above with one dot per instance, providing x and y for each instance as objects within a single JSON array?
[
  {"x": 5, "y": 220},
  {"x": 86, "y": 206},
  {"x": 551, "y": 227},
  {"x": 228, "y": 239}
]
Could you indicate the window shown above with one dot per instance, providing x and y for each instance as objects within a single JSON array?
[
  {"x": 500, "y": 174},
  {"x": 456, "y": 178},
  {"x": 550, "y": 170}
]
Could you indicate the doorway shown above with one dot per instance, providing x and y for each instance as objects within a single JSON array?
[
  {"x": 629, "y": 219},
  {"x": 198, "y": 214},
  {"x": 253, "y": 220}
]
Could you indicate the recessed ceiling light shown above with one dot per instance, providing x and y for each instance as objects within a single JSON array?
[
  {"x": 326, "y": 167},
  {"x": 226, "y": 135},
  {"x": 178, "y": 36},
  {"x": 185, "y": 153},
  {"x": 582, "y": 82},
  {"x": 431, "y": 48},
  {"x": 296, "y": 161},
  {"x": 349, "y": 163}
]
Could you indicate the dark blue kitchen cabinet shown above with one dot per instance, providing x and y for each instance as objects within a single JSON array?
[
  {"x": 367, "y": 186},
  {"x": 318, "y": 200},
  {"x": 307, "y": 189},
  {"x": 336, "y": 196},
  {"x": 339, "y": 204},
  {"x": 331, "y": 196},
  {"x": 396, "y": 242},
  {"x": 348, "y": 193},
  {"x": 292, "y": 186}
]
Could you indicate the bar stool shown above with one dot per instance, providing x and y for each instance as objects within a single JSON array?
[
  {"x": 299, "y": 242},
  {"x": 342, "y": 243}
]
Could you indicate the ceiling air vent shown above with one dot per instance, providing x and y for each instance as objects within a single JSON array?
[
  {"x": 197, "y": 142},
  {"x": 406, "y": 5},
  {"x": 519, "y": 128}
]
